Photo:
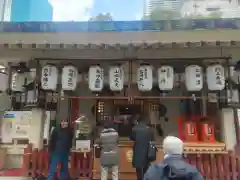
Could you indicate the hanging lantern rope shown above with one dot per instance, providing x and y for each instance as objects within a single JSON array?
[{"x": 133, "y": 97}]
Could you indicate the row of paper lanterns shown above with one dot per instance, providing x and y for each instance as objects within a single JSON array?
[{"x": 194, "y": 78}]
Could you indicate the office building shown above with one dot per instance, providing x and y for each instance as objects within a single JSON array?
[
  {"x": 165, "y": 4},
  {"x": 5, "y": 10},
  {"x": 31, "y": 10},
  {"x": 225, "y": 8}
]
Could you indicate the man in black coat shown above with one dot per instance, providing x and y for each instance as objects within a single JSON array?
[
  {"x": 59, "y": 149},
  {"x": 141, "y": 135}
]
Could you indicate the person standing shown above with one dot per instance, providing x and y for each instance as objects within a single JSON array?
[
  {"x": 59, "y": 149},
  {"x": 173, "y": 165},
  {"x": 141, "y": 135},
  {"x": 109, "y": 157}
]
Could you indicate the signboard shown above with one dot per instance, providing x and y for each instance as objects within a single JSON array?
[{"x": 83, "y": 145}]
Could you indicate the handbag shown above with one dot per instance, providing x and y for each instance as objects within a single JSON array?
[
  {"x": 97, "y": 151},
  {"x": 152, "y": 151}
]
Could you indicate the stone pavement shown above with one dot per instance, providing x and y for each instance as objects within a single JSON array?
[{"x": 14, "y": 178}]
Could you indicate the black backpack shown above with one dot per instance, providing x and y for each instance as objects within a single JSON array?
[{"x": 168, "y": 174}]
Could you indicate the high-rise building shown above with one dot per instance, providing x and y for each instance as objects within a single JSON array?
[
  {"x": 165, "y": 4},
  {"x": 206, "y": 8},
  {"x": 5, "y": 10},
  {"x": 31, "y": 10}
]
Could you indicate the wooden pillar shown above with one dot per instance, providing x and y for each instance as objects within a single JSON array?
[{"x": 228, "y": 128}]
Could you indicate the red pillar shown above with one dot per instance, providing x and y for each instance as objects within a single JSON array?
[{"x": 75, "y": 109}]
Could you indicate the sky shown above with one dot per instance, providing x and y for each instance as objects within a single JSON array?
[{"x": 82, "y": 10}]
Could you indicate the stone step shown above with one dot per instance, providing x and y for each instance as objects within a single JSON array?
[{"x": 14, "y": 178}]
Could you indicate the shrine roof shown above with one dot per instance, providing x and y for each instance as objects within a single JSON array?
[{"x": 121, "y": 34}]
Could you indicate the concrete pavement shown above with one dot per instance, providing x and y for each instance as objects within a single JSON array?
[{"x": 14, "y": 178}]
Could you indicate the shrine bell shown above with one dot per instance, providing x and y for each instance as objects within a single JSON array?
[
  {"x": 190, "y": 131},
  {"x": 207, "y": 131}
]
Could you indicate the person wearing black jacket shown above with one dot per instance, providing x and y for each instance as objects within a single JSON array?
[
  {"x": 59, "y": 149},
  {"x": 141, "y": 136}
]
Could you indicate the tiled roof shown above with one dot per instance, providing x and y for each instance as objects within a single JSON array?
[{"x": 90, "y": 41}]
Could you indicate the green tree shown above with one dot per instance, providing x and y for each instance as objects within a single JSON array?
[
  {"x": 159, "y": 14},
  {"x": 195, "y": 16},
  {"x": 215, "y": 15},
  {"x": 164, "y": 14},
  {"x": 102, "y": 17}
]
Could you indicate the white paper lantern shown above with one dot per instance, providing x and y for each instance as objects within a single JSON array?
[
  {"x": 116, "y": 78},
  {"x": 215, "y": 77},
  {"x": 95, "y": 78},
  {"x": 145, "y": 78},
  {"x": 165, "y": 78},
  {"x": 4, "y": 82},
  {"x": 69, "y": 78},
  {"x": 17, "y": 82},
  {"x": 194, "y": 78},
  {"x": 49, "y": 78}
]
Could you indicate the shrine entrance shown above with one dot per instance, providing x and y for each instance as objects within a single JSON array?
[{"x": 178, "y": 99}]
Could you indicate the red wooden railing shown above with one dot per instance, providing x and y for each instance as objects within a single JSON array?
[
  {"x": 212, "y": 166},
  {"x": 216, "y": 166},
  {"x": 36, "y": 162}
]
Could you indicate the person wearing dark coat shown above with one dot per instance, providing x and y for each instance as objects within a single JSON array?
[
  {"x": 141, "y": 136},
  {"x": 60, "y": 145},
  {"x": 173, "y": 165}
]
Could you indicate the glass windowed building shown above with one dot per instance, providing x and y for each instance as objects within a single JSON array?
[{"x": 27, "y": 10}]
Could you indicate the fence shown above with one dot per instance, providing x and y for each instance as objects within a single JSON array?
[
  {"x": 216, "y": 166},
  {"x": 121, "y": 26},
  {"x": 36, "y": 162},
  {"x": 212, "y": 166}
]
